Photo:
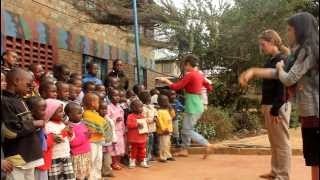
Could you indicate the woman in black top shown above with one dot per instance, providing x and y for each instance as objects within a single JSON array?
[
  {"x": 117, "y": 72},
  {"x": 275, "y": 109}
]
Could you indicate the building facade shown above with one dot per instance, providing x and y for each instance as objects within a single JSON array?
[
  {"x": 53, "y": 31},
  {"x": 168, "y": 66}
]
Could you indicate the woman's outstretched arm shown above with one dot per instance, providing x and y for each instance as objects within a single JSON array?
[{"x": 259, "y": 73}]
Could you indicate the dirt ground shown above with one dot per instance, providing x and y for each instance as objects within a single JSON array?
[{"x": 217, "y": 167}]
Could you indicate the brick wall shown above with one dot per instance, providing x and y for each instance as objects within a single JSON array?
[
  {"x": 64, "y": 15},
  {"x": 72, "y": 59}
]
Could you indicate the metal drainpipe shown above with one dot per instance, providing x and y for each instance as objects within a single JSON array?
[{"x": 137, "y": 38}]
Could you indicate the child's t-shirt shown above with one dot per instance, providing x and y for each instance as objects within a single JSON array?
[
  {"x": 59, "y": 150},
  {"x": 164, "y": 121},
  {"x": 133, "y": 132},
  {"x": 150, "y": 113},
  {"x": 80, "y": 143}
]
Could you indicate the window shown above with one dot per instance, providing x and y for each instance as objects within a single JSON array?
[
  {"x": 31, "y": 52},
  {"x": 102, "y": 63},
  {"x": 167, "y": 68}
]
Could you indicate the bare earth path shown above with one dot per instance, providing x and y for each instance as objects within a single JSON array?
[{"x": 217, "y": 167}]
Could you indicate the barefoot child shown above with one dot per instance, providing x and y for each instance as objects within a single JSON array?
[
  {"x": 164, "y": 129},
  {"x": 116, "y": 113},
  {"x": 107, "y": 161},
  {"x": 98, "y": 129},
  {"x": 80, "y": 145},
  {"x": 136, "y": 140},
  {"x": 61, "y": 166}
]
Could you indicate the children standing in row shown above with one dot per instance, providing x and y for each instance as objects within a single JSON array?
[
  {"x": 99, "y": 130},
  {"x": 107, "y": 159},
  {"x": 137, "y": 141},
  {"x": 61, "y": 166},
  {"x": 164, "y": 130},
  {"x": 115, "y": 112},
  {"x": 80, "y": 145},
  {"x": 150, "y": 113},
  {"x": 99, "y": 133}
]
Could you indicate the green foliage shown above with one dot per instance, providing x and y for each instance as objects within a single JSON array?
[
  {"x": 207, "y": 129},
  {"x": 247, "y": 120},
  {"x": 217, "y": 123},
  {"x": 294, "y": 119}
]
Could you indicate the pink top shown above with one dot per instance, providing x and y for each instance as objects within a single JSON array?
[
  {"x": 115, "y": 112},
  {"x": 80, "y": 144}
]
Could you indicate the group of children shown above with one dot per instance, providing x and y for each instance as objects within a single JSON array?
[{"x": 90, "y": 129}]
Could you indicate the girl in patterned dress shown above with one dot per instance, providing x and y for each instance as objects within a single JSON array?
[{"x": 116, "y": 113}]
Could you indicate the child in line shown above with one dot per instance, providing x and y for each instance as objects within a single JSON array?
[
  {"x": 48, "y": 90},
  {"x": 89, "y": 87},
  {"x": 124, "y": 104},
  {"x": 150, "y": 113},
  {"x": 116, "y": 113},
  {"x": 164, "y": 129},
  {"x": 107, "y": 160},
  {"x": 101, "y": 91},
  {"x": 63, "y": 92},
  {"x": 98, "y": 129},
  {"x": 80, "y": 145},
  {"x": 37, "y": 106},
  {"x": 154, "y": 96},
  {"x": 37, "y": 71},
  {"x": 178, "y": 108},
  {"x": 78, "y": 84},
  {"x": 61, "y": 166},
  {"x": 136, "y": 140},
  {"x": 72, "y": 93}
]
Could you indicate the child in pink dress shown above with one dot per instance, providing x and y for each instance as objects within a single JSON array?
[{"x": 116, "y": 113}]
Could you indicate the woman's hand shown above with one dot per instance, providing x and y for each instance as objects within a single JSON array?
[
  {"x": 245, "y": 77},
  {"x": 280, "y": 65},
  {"x": 6, "y": 166},
  {"x": 164, "y": 80}
]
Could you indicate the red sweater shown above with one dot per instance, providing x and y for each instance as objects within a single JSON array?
[
  {"x": 192, "y": 82},
  {"x": 47, "y": 155},
  {"x": 133, "y": 133}
]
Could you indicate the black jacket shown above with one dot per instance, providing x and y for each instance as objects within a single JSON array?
[
  {"x": 273, "y": 91},
  {"x": 124, "y": 82},
  {"x": 17, "y": 120}
]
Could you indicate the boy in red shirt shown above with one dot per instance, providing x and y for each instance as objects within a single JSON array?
[{"x": 136, "y": 140}]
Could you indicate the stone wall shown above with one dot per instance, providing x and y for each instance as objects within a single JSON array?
[{"x": 63, "y": 15}]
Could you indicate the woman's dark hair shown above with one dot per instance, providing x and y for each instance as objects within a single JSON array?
[
  {"x": 306, "y": 31},
  {"x": 115, "y": 62},
  {"x": 191, "y": 59}
]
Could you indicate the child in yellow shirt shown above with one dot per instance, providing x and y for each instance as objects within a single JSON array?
[{"x": 164, "y": 128}]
